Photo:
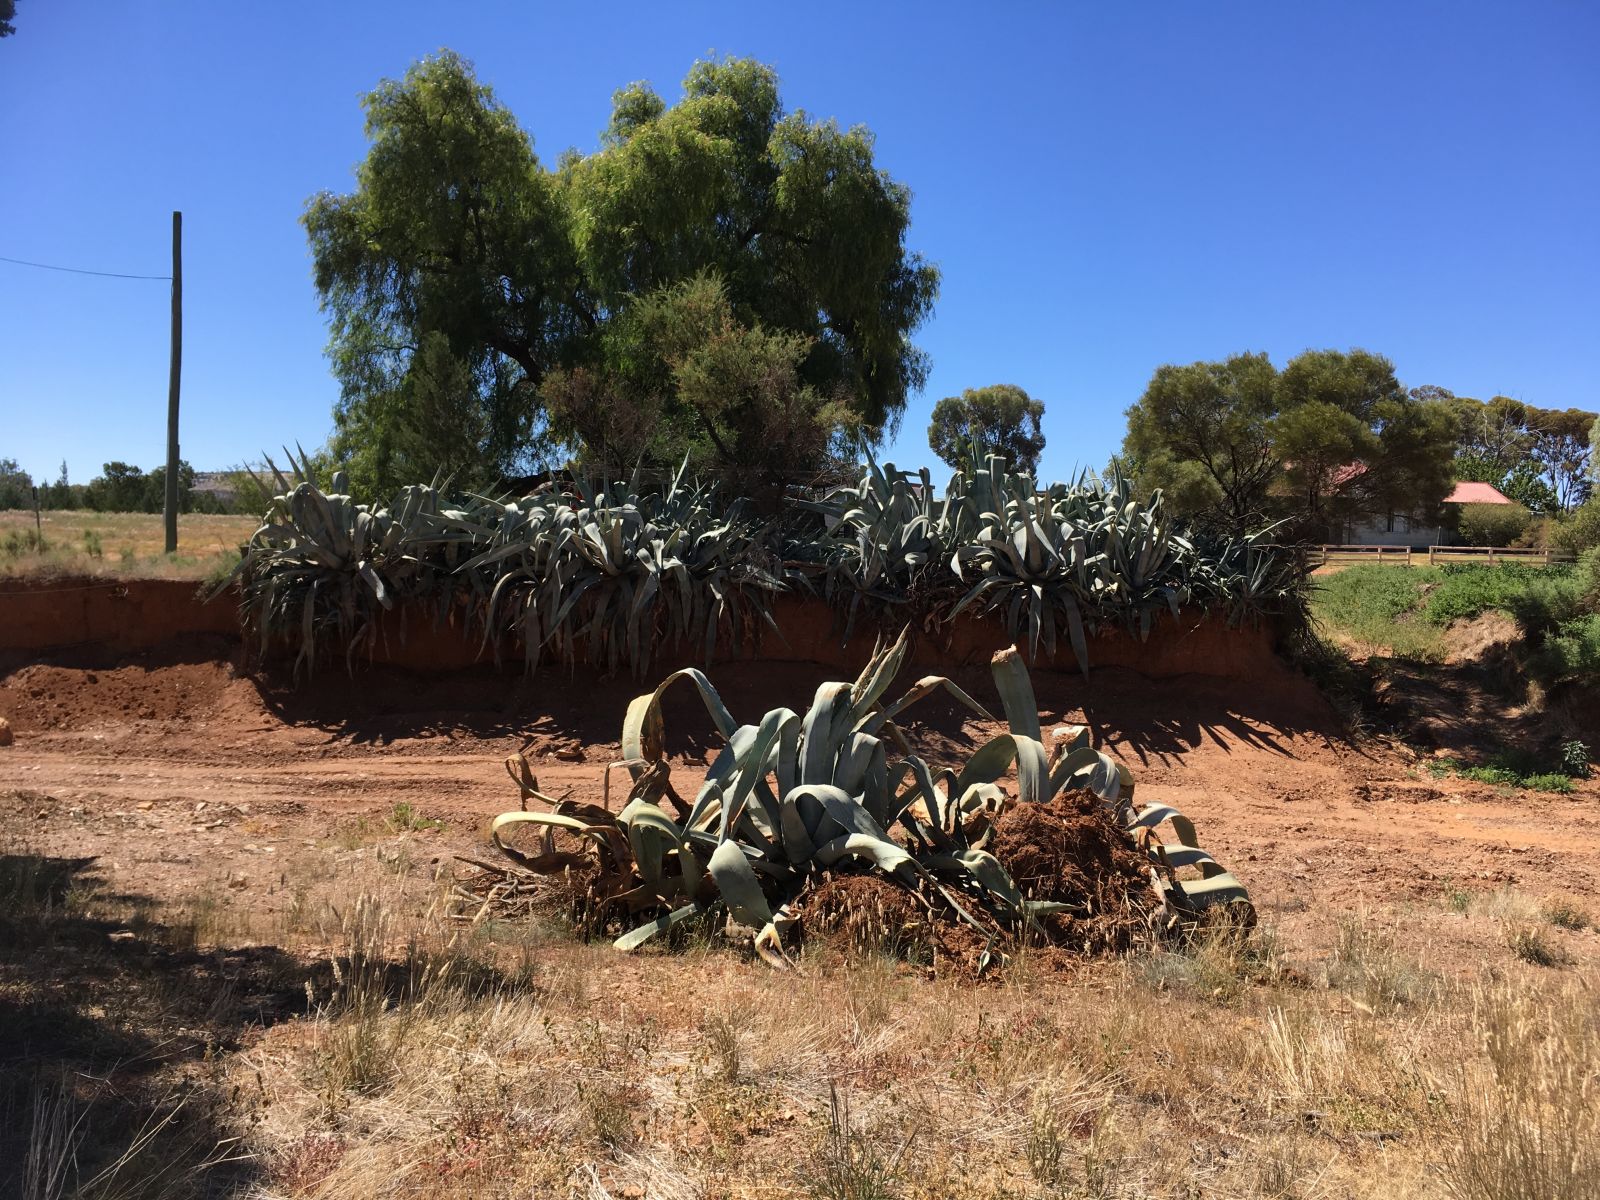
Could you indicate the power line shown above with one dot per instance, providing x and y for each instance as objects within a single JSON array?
[{"x": 22, "y": 262}]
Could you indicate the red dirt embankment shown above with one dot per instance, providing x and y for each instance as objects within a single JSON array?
[
  {"x": 134, "y": 615},
  {"x": 118, "y": 614}
]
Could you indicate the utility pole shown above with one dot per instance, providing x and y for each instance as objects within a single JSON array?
[{"x": 170, "y": 506}]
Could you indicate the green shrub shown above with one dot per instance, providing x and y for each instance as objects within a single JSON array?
[
  {"x": 1575, "y": 758},
  {"x": 1580, "y": 529},
  {"x": 1571, "y": 653},
  {"x": 1493, "y": 524},
  {"x": 1549, "y": 781},
  {"x": 1539, "y": 598}
]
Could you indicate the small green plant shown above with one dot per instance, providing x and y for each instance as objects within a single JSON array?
[
  {"x": 25, "y": 541},
  {"x": 1548, "y": 781},
  {"x": 1566, "y": 915},
  {"x": 1574, "y": 759},
  {"x": 92, "y": 545},
  {"x": 1530, "y": 944},
  {"x": 1505, "y": 769},
  {"x": 405, "y": 819}
]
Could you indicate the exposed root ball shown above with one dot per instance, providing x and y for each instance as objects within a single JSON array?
[
  {"x": 870, "y": 913},
  {"x": 1071, "y": 851}
]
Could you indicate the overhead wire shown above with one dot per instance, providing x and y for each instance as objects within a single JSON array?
[{"x": 22, "y": 262}]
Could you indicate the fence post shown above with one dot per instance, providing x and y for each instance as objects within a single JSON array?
[
  {"x": 1431, "y": 549},
  {"x": 1408, "y": 556}
]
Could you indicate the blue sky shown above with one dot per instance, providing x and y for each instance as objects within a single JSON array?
[{"x": 1107, "y": 187}]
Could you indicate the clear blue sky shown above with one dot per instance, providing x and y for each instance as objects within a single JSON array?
[{"x": 1106, "y": 186}]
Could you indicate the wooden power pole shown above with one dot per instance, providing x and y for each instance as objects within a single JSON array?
[{"x": 170, "y": 506}]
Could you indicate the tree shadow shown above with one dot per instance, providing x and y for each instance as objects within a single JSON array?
[{"x": 107, "y": 1030}]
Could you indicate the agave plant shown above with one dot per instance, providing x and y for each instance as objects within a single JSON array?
[
  {"x": 849, "y": 795},
  {"x": 608, "y": 575},
  {"x": 1068, "y": 556}
]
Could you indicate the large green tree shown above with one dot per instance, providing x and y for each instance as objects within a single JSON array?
[
  {"x": 1333, "y": 436},
  {"x": 1539, "y": 457},
  {"x": 999, "y": 419},
  {"x": 680, "y": 377},
  {"x": 457, "y": 231}
]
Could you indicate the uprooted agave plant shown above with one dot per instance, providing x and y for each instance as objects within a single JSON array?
[{"x": 846, "y": 785}]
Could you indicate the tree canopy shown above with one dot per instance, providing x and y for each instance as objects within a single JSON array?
[
  {"x": 702, "y": 243},
  {"x": 1539, "y": 457},
  {"x": 8, "y": 13},
  {"x": 999, "y": 419},
  {"x": 1333, "y": 436}
]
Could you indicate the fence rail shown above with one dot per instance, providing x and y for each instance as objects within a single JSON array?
[{"x": 1320, "y": 556}]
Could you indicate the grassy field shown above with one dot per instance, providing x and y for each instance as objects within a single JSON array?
[
  {"x": 404, "y": 1053},
  {"x": 1405, "y": 613},
  {"x": 123, "y": 545}
]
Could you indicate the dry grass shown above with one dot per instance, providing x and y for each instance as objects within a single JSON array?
[
  {"x": 424, "y": 1058},
  {"x": 119, "y": 545}
]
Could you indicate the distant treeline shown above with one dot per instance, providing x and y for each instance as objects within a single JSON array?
[{"x": 121, "y": 487}]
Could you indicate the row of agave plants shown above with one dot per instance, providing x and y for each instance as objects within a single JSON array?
[{"x": 610, "y": 572}]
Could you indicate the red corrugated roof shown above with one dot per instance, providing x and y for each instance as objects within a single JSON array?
[{"x": 1477, "y": 493}]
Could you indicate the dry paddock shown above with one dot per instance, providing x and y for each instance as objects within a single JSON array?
[{"x": 228, "y": 967}]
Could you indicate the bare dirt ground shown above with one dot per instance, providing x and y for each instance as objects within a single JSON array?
[
  {"x": 192, "y": 786},
  {"x": 174, "y": 763}
]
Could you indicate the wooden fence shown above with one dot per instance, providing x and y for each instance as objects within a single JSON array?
[{"x": 1405, "y": 556}]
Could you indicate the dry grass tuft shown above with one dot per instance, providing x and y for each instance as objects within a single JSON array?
[{"x": 1528, "y": 1114}]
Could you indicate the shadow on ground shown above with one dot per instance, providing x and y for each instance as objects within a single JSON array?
[{"x": 107, "y": 1028}]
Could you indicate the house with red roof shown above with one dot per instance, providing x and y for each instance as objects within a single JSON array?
[{"x": 1415, "y": 529}]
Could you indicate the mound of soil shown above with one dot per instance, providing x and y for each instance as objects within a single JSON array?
[
  {"x": 51, "y": 696},
  {"x": 1072, "y": 852},
  {"x": 1069, "y": 851},
  {"x": 871, "y": 913}
]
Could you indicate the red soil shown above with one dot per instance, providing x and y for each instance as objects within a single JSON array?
[{"x": 179, "y": 769}]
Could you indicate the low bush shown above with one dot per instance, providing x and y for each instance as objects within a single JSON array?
[
  {"x": 1493, "y": 524},
  {"x": 1580, "y": 529},
  {"x": 1571, "y": 654}
]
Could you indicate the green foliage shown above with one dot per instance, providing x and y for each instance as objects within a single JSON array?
[
  {"x": 1574, "y": 758},
  {"x": 1572, "y": 653},
  {"x": 457, "y": 231},
  {"x": 1493, "y": 524},
  {"x": 1000, "y": 419},
  {"x": 1067, "y": 558},
  {"x": 620, "y": 568},
  {"x": 1333, "y": 436},
  {"x": 683, "y": 380},
  {"x": 1506, "y": 770},
  {"x": 24, "y": 541},
  {"x": 1538, "y": 597},
  {"x": 16, "y": 485},
  {"x": 1580, "y": 529},
  {"x": 617, "y": 571},
  {"x": 8, "y": 13},
  {"x": 841, "y": 803},
  {"x": 122, "y": 487}
]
